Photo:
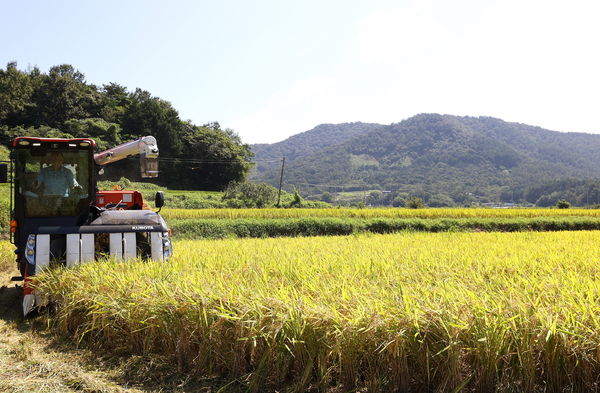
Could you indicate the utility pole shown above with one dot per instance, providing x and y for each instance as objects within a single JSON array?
[{"x": 280, "y": 182}]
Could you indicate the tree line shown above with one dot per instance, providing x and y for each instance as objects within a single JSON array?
[{"x": 60, "y": 103}]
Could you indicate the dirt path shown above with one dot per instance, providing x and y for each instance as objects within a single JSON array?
[{"x": 33, "y": 360}]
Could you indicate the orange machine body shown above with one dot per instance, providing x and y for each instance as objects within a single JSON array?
[{"x": 120, "y": 199}]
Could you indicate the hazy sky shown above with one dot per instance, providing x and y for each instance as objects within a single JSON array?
[{"x": 270, "y": 69}]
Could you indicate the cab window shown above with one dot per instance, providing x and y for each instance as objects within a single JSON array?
[{"x": 53, "y": 183}]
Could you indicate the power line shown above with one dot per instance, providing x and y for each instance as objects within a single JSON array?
[
  {"x": 200, "y": 161},
  {"x": 326, "y": 185},
  {"x": 174, "y": 159}
]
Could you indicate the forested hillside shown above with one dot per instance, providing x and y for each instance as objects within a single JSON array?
[
  {"x": 447, "y": 160},
  {"x": 304, "y": 144},
  {"x": 61, "y": 103}
]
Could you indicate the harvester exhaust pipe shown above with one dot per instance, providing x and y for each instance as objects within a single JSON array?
[{"x": 145, "y": 147}]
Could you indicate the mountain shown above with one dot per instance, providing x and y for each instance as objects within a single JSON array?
[
  {"x": 449, "y": 159},
  {"x": 268, "y": 156}
]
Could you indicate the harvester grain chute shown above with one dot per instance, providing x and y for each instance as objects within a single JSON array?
[{"x": 59, "y": 217}]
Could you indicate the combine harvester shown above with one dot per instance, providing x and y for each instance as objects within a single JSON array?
[{"x": 58, "y": 216}]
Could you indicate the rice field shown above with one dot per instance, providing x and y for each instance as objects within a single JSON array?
[
  {"x": 444, "y": 312},
  {"x": 375, "y": 213},
  {"x": 7, "y": 261}
]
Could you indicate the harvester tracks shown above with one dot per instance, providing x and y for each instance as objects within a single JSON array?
[{"x": 33, "y": 360}]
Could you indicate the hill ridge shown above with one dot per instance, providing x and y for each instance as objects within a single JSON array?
[{"x": 453, "y": 157}]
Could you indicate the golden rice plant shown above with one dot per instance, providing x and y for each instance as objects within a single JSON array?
[
  {"x": 375, "y": 213},
  {"x": 7, "y": 260},
  {"x": 418, "y": 312}
]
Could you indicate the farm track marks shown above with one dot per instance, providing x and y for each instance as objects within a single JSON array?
[{"x": 33, "y": 360}]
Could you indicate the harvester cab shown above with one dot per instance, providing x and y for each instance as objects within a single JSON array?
[{"x": 59, "y": 217}]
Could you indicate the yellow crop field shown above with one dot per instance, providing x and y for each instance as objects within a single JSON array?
[
  {"x": 375, "y": 213},
  {"x": 412, "y": 312},
  {"x": 7, "y": 261}
]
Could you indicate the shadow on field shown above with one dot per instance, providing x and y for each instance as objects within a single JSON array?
[{"x": 10, "y": 304}]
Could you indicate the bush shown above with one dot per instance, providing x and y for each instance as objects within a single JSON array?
[
  {"x": 251, "y": 194},
  {"x": 563, "y": 204},
  {"x": 297, "y": 199},
  {"x": 414, "y": 203},
  {"x": 327, "y": 197},
  {"x": 216, "y": 228},
  {"x": 398, "y": 202},
  {"x": 440, "y": 200}
]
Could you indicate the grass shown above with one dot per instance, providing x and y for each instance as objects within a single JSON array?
[
  {"x": 173, "y": 198},
  {"x": 349, "y": 197},
  {"x": 219, "y": 223},
  {"x": 4, "y": 207},
  {"x": 326, "y": 226},
  {"x": 7, "y": 261},
  {"x": 415, "y": 312},
  {"x": 186, "y": 199}
]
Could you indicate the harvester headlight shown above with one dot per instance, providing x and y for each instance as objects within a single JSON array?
[
  {"x": 30, "y": 249},
  {"x": 167, "y": 246}
]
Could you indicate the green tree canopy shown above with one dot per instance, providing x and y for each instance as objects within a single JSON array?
[{"x": 62, "y": 104}]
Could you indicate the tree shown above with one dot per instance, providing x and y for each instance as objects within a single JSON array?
[
  {"x": 327, "y": 197},
  {"x": 114, "y": 102},
  {"x": 104, "y": 133},
  {"x": 147, "y": 115},
  {"x": 297, "y": 199},
  {"x": 414, "y": 203},
  {"x": 250, "y": 195},
  {"x": 61, "y": 104},
  {"x": 15, "y": 94},
  {"x": 63, "y": 95},
  {"x": 440, "y": 200},
  {"x": 398, "y": 202},
  {"x": 374, "y": 198},
  {"x": 221, "y": 158},
  {"x": 8, "y": 134},
  {"x": 563, "y": 204}
]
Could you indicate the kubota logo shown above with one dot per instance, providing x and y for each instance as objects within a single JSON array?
[{"x": 142, "y": 228}]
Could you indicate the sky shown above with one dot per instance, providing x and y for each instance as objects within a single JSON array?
[{"x": 269, "y": 69}]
